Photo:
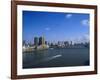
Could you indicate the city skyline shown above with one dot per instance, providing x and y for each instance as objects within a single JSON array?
[{"x": 55, "y": 26}]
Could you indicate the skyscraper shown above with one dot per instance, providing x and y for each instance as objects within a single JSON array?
[
  {"x": 41, "y": 41},
  {"x": 36, "y": 41}
]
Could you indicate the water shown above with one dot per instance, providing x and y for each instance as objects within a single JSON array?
[{"x": 56, "y": 58}]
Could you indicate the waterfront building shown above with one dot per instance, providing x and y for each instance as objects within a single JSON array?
[
  {"x": 71, "y": 43},
  {"x": 24, "y": 43},
  {"x": 42, "y": 40},
  {"x": 66, "y": 43},
  {"x": 36, "y": 41},
  {"x": 46, "y": 43},
  {"x": 59, "y": 43}
]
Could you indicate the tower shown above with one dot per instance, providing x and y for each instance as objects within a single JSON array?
[
  {"x": 42, "y": 40},
  {"x": 36, "y": 41}
]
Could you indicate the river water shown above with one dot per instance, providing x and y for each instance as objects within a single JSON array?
[{"x": 56, "y": 58}]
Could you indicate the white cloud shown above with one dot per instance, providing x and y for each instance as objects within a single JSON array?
[
  {"x": 81, "y": 39},
  {"x": 85, "y": 22},
  {"x": 68, "y": 15},
  {"x": 47, "y": 28},
  {"x": 84, "y": 38}
]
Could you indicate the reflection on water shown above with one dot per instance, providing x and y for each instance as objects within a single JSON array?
[{"x": 56, "y": 58}]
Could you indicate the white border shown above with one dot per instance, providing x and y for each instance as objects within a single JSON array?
[{"x": 21, "y": 71}]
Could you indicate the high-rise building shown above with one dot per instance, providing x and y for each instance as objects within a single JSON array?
[
  {"x": 41, "y": 41},
  {"x": 71, "y": 43},
  {"x": 46, "y": 42},
  {"x": 36, "y": 41},
  {"x": 24, "y": 43}
]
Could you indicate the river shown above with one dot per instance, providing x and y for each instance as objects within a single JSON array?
[{"x": 56, "y": 58}]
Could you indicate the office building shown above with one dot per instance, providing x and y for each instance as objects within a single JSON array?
[{"x": 36, "y": 41}]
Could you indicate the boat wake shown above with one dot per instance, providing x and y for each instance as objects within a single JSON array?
[{"x": 51, "y": 58}]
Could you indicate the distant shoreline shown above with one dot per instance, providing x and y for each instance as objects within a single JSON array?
[{"x": 31, "y": 50}]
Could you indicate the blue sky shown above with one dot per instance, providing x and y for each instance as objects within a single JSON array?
[{"x": 55, "y": 26}]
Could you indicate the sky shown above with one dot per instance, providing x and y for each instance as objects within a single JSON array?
[{"x": 55, "y": 26}]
